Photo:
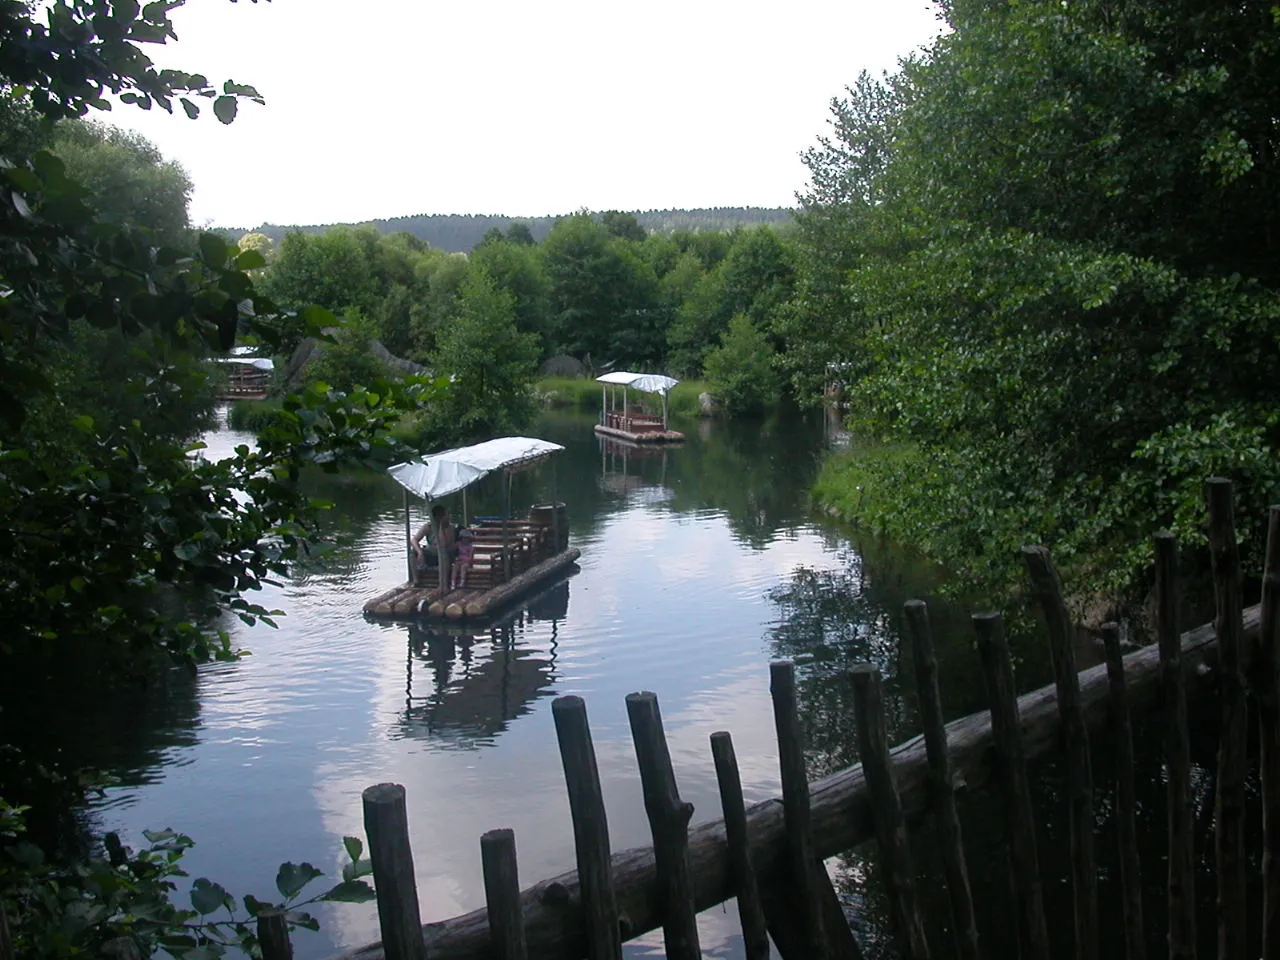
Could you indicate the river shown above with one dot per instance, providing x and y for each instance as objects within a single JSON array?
[{"x": 700, "y": 564}]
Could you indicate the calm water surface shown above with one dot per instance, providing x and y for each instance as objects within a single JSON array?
[{"x": 700, "y": 564}]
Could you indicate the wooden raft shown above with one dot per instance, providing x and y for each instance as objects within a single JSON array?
[
  {"x": 648, "y": 436},
  {"x": 411, "y": 600}
]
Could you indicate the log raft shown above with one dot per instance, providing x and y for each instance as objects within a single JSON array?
[
  {"x": 410, "y": 600},
  {"x": 840, "y": 808},
  {"x": 647, "y": 436}
]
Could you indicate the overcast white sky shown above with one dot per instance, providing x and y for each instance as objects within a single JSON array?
[{"x": 384, "y": 108}]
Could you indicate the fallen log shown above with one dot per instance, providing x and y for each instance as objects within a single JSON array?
[{"x": 840, "y": 809}]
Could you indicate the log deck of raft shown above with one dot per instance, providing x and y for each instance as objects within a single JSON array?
[
  {"x": 628, "y": 421},
  {"x": 512, "y": 555}
]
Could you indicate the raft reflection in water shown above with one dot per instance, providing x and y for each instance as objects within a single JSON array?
[{"x": 463, "y": 688}]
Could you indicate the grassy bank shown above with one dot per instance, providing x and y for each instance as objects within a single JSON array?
[
  {"x": 252, "y": 415},
  {"x": 584, "y": 394},
  {"x": 918, "y": 499}
]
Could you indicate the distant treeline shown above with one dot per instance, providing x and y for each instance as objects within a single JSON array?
[{"x": 458, "y": 233}]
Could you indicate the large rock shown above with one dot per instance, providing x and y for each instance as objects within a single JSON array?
[
  {"x": 706, "y": 404},
  {"x": 562, "y": 365}
]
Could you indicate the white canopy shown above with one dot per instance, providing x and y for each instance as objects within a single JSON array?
[
  {"x": 437, "y": 475},
  {"x": 648, "y": 382},
  {"x": 258, "y": 363}
]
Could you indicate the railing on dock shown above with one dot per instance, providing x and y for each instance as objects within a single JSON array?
[{"x": 770, "y": 856}]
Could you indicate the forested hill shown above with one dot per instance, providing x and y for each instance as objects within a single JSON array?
[{"x": 458, "y": 233}]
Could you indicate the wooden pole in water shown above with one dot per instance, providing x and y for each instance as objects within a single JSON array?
[
  {"x": 1266, "y": 671},
  {"x": 273, "y": 935},
  {"x": 1126, "y": 797},
  {"x": 1229, "y": 841},
  {"x": 502, "y": 895},
  {"x": 755, "y": 936},
  {"x": 1177, "y": 750},
  {"x": 941, "y": 786},
  {"x": 590, "y": 829},
  {"x": 795, "y": 801},
  {"x": 387, "y": 826},
  {"x": 1084, "y": 876},
  {"x": 669, "y": 822},
  {"x": 1012, "y": 774},
  {"x": 891, "y": 825}
]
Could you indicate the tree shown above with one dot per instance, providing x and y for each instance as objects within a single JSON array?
[
  {"x": 519, "y": 270},
  {"x": 520, "y": 233},
  {"x": 490, "y": 364},
  {"x": 599, "y": 287},
  {"x": 755, "y": 277},
  {"x": 741, "y": 369},
  {"x": 1046, "y": 248},
  {"x": 129, "y": 182},
  {"x": 101, "y": 516},
  {"x": 624, "y": 226}
]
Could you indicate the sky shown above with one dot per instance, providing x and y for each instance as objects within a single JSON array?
[{"x": 387, "y": 108}]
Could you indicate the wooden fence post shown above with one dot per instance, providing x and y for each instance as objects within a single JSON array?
[
  {"x": 1232, "y": 763},
  {"x": 795, "y": 801},
  {"x": 1126, "y": 798},
  {"x": 1012, "y": 773},
  {"x": 1084, "y": 875},
  {"x": 1265, "y": 667},
  {"x": 669, "y": 822},
  {"x": 891, "y": 825},
  {"x": 1177, "y": 750},
  {"x": 941, "y": 787},
  {"x": 590, "y": 829},
  {"x": 502, "y": 894},
  {"x": 273, "y": 935},
  {"x": 755, "y": 936},
  {"x": 387, "y": 826}
]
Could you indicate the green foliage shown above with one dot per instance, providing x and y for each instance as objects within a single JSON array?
[
  {"x": 488, "y": 362},
  {"x": 347, "y": 362},
  {"x": 129, "y": 182},
  {"x": 741, "y": 369},
  {"x": 754, "y": 278},
  {"x": 253, "y": 415},
  {"x": 1043, "y": 256},
  {"x": 90, "y": 907},
  {"x": 603, "y": 295}
]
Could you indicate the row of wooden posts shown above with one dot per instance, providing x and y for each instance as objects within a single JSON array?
[{"x": 804, "y": 918}]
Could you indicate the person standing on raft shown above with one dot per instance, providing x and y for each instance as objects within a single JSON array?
[{"x": 438, "y": 533}]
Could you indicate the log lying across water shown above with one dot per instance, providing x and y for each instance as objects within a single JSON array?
[{"x": 840, "y": 808}]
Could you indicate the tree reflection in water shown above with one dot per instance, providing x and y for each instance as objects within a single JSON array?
[
  {"x": 479, "y": 679},
  {"x": 829, "y": 620}
]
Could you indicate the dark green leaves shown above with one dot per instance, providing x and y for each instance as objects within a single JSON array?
[
  {"x": 207, "y": 897},
  {"x": 224, "y": 108},
  {"x": 293, "y": 877},
  {"x": 350, "y": 891}
]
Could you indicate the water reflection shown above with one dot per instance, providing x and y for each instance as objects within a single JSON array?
[
  {"x": 463, "y": 686},
  {"x": 701, "y": 562}
]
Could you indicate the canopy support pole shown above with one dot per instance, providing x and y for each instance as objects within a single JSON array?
[
  {"x": 506, "y": 524},
  {"x": 464, "y": 506},
  {"x": 442, "y": 562},
  {"x": 408, "y": 534},
  {"x": 604, "y": 408},
  {"x": 664, "y": 411}
]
